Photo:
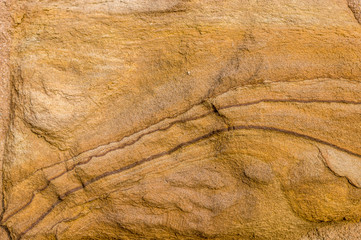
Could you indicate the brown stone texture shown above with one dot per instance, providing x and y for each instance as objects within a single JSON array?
[
  {"x": 180, "y": 119},
  {"x": 5, "y": 25}
]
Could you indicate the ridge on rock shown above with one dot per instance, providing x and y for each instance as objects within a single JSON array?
[{"x": 355, "y": 6}]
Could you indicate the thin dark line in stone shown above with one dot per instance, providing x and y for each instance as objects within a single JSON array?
[
  {"x": 169, "y": 126},
  {"x": 165, "y": 153},
  {"x": 182, "y": 121}
]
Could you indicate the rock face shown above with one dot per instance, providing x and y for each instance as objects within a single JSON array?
[{"x": 180, "y": 119}]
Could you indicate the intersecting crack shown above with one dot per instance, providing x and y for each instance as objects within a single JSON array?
[
  {"x": 229, "y": 127},
  {"x": 184, "y": 144}
]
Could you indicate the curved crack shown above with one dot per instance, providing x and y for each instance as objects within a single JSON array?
[
  {"x": 184, "y": 144},
  {"x": 101, "y": 155},
  {"x": 215, "y": 110},
  {"x": 289, "y": 101},
  {"x": 115, "y": 142}
]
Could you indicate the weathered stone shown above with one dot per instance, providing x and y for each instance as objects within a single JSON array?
[{"x": 139, "y": 119}]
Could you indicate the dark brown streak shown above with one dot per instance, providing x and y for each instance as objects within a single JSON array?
[
  {"x": 191, "y": 119},
  {"x": 152, "y": 157},
  {"x": 185, "y": 144},
  {"x": 66, "y": 220},
  {"x": 249, "y": 127},
  {"x": 130, "y": 166},
  {"x": 27, "y": 204},
  {"x": 288, "y": 101},
  {"x": 77, "y": 155},
  {"x": 98, "y": 155},
  {"x": 183, "y": 121},
  {"x": 127, "y": 144},
  {"x": 40, "y": 218},
  {"x": 116, "y": 148}
]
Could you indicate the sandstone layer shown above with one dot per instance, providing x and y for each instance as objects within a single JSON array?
[{"x": 180, "y": 119}]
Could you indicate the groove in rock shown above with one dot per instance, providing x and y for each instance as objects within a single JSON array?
[
  {"x": 185, "y": 144},
  {"x": 169, "y": 126}
]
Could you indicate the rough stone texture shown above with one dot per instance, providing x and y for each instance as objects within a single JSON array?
[
  {"x": 181, "y": 119},
  {"x": 355, "y": 6},
  {"x": 5, "y": 25}
]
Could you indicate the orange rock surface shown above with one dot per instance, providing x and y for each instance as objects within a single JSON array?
[{"x": 180, "y": 119}]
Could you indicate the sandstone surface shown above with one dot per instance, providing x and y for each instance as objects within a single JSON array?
[{"x": 180, "y": 119}]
